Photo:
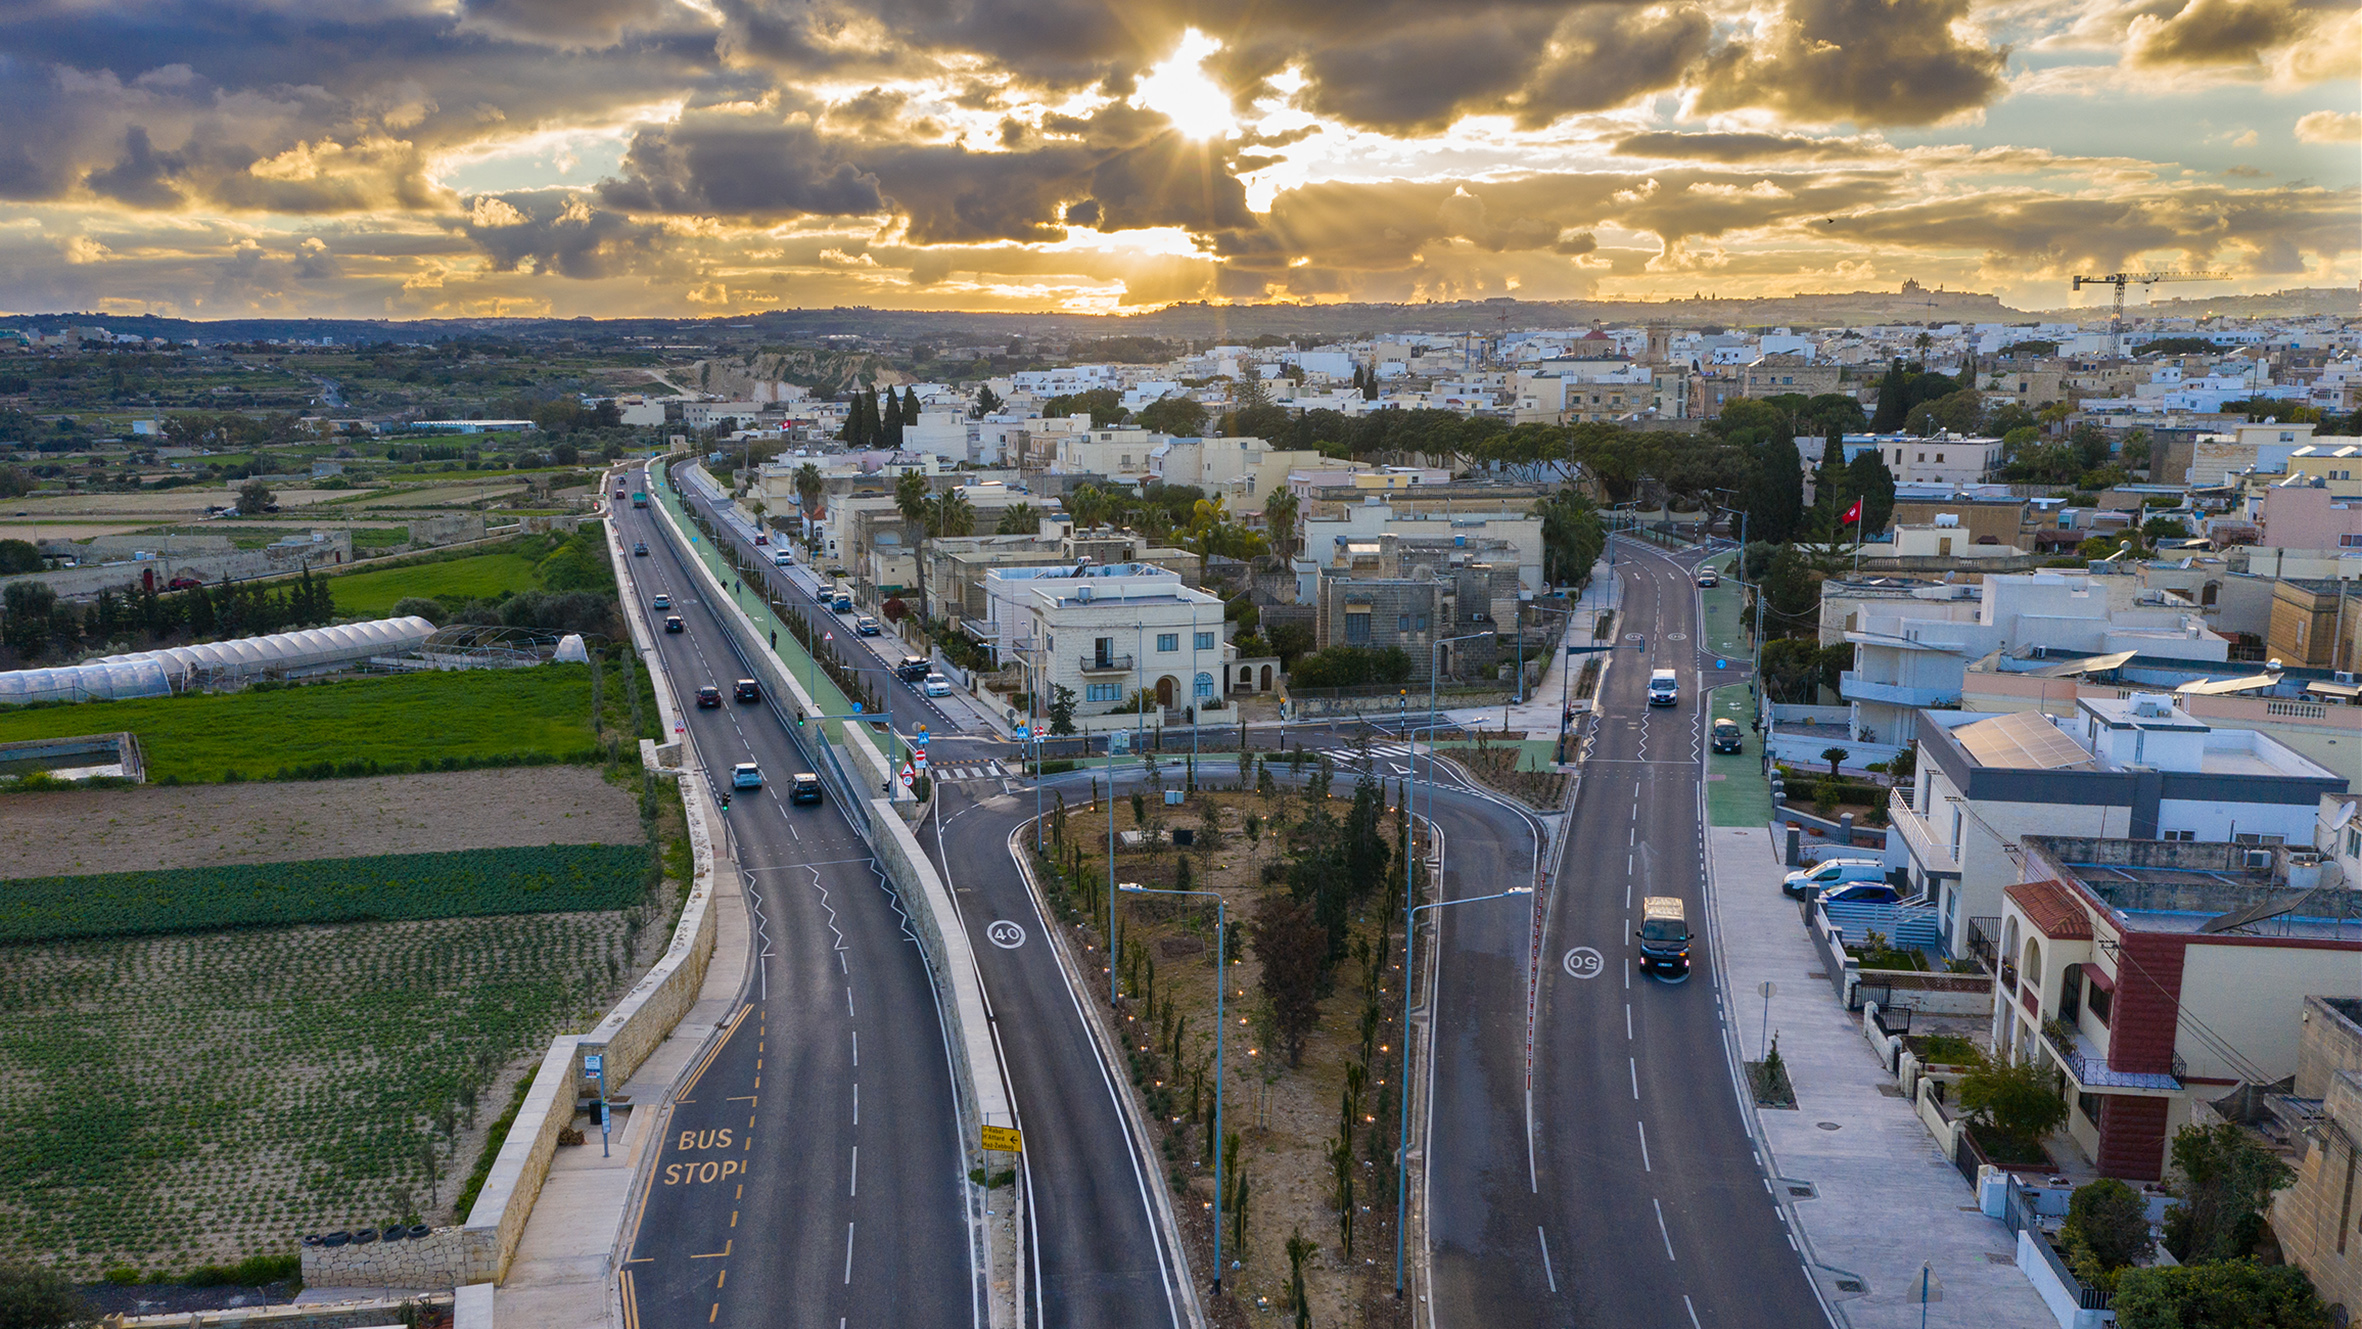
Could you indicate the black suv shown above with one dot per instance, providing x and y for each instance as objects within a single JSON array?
[
  {"x": 672, "y": 623},
  {"x": 913, "y": 668},
  {"x": 639, "y": 549},
  {"x": 709, "y": 697},
  {"x": 748, "y": 690},
  {"x": 806, "y": 788}
]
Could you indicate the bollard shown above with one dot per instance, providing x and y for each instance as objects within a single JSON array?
[{"x": 1795, "y": 848}]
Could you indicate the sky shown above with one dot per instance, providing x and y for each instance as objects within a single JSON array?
[{"x": 568, "y": 158}]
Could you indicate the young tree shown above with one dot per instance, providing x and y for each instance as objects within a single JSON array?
[
  {"x": 1833, "y": 756},
  {"x": 2107, "y": 1230},
  {"x": 2227, "y": 1180},
  {"x": 2015, "y": 1098},
  {"x": 987, "y": 401},
  {"x": 1061, "y": 709},
  {"x": 253, "y": 497},
  {"x": 1294, "y": 949}
]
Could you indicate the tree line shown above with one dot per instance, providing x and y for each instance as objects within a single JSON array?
[{"x": 35, "y": 624}]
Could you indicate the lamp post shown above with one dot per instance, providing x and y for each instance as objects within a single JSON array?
[
  {"x": 1402, "y": 1162},
  {"x": 1410, "y": 812},
  {"x": 1221, "y": 980}
]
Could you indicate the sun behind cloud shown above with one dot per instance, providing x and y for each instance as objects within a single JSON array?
[{"x": 1181, "y": 89}]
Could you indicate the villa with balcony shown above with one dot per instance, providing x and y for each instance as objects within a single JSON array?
[
  {"x": 2153, "y": 973},
  {"x": 2138, "y": 766}
]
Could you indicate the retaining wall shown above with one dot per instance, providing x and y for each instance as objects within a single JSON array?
[{"x": 326, "y": 1315}]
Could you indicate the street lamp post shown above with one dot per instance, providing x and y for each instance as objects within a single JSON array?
[
  {"x": 1221, "y": 980},
  {"x": 1402, "y": 1161},
  {"x": 1410, "y": 812}
]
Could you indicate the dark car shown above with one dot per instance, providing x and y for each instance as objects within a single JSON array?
[
  {"x": 748, "y": 690},
  {"x": 639, "y": 549},
  {"x": 184, "y": 582},
  {"x": 1726, "y": 735},
  {"x": 805, "y": 789},
  {"x": 913, "y": 668},
  {"x": 709, "y": 697},
  {"x": 672, "y": 623}
]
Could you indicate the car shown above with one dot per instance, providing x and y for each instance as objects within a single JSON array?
[
  {"x": 761, "y": 538},
  {"x": 639, "y": 549},
  {"x": 783, "y": 559},
  {"x": 748, "y": 690},
  {"x": 1664, "y": 937},
  {"x": 866, "y": 626},
  {"x": 184, "y": 582},
  {"x": 1726, "y": 735},
  {"x": 1664, "y": 688},
  {"x": 936, "y": 686},
  {"x": 1861, "y": 892},
  {"x": 746, "y": 775},
  {"x": 709, "y": 697},
  {"x": 1831, "y": 873},
  {"x": 842, "y": 603},
  {"x": 805, "y": 789},
  {"x": 1707, "y": 577},
  {"x": 913, "y": 668},
  {"x": 673, "y": 623},
  {"x": 620, "y": 494},
  {"x": 661, "y": 602}
]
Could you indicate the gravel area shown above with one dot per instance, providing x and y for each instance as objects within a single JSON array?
[{"x": 131, "y": 830}]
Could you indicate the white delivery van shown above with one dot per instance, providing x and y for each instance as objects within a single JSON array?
[{"x": 1664, "y": 689}]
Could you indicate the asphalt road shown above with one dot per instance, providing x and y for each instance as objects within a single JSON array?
[
  {"x": 1643, "y": 1203},
  {"x": 763, "y": 1206}
]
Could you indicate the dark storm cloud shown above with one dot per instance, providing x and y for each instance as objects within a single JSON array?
[
  {"x": 141, "y": 178},
  {"x": 574, "y": 24},
  {"x": 559, "y": 232},
  {"x": 1742, "y": 147},
  {"x": 1873, "y": 62},
  {"x": 2211, "y": 225}
]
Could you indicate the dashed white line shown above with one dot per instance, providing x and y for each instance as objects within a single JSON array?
[
  {"x": 1693, "y": 1312},
  {"x": 853, "y": 1184},
  {"x": 856, "y": 1104},
  {"x": 1634, "y": 1063},
  {"x": 1538, "y": 1236},
  {"x": 849, "y": 1250},
  {"x": 1661, "y": 1231},
  {"x": 856, "y": 1047},
  {"x": 1644, "y": 1146},
  {"x": 1627, "y": 1021}
]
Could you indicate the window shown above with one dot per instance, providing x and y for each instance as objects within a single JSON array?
[
  {"x": 1402, "y": 622},
  {"x": 1103, "y": 692},
  {"x": 1422, "y": 621},
  {"x": 2248, "y": 837},
  {"x": 1923, "y": 456},
  {"x": 1168, "y": 641},
  {"x": 2089, "y": 1106},
  {"x": 1203, "y": 687},
  {"x": 2181, "y": 835},
  {"x": 1357, "y": 628},
  {"x": 1205, "y": 641},
  {"x": 2098, "y": 1000},
  {"x": 1939, "y": 459}
]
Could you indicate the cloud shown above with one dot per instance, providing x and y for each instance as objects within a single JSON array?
[
  {"x": 556, "y": 231},
  {"x": 2213, "y": 32},
  {"x": 141, "y": 177},
  {"x": 1872, "y": 62},
  {"x": 2026, "y": 232},
  {"x": 573, "y": 24},
  {"x": 1741, "y": 147},
  {"x": 2329, "y": 127}
]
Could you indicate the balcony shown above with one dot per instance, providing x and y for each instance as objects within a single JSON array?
[
  {"x": 1854, "y": 687},
  {"x": 2088, "y": 1067},
  {"x": 1930, "y": 853},
  {"x": 1107, "y": 664},
  {"x": 1981, "y": 932}
]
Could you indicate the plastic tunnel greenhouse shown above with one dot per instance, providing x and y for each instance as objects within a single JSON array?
[{"x": 158, "y": 673}]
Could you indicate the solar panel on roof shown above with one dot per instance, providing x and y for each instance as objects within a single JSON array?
[
  {"x": 2023, "y": 740},
  {"x": 2224, "y": 687}
]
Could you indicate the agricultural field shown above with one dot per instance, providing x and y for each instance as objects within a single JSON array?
[
  {"x": 173, "y": 1101},
  {"x": 467, "y": 883},
  {"x": 69, "y": 832},
  {"x": 360, "y": 726},
  {"x": 373, "y": 594}
]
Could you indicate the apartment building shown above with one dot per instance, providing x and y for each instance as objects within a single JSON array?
[
  {"x": 2334, "y": 464},
  {"x": 1778, "y": 375},
  {"x": 2303, "y": 513},
  {"x": 2305, "y": 711},
  {"x": 1108, "y": 632},
  {"x": 2138, "y": 766},
  {"x": 1504, "y": 537},
  {"x": 2152, "y": 973},
  {"x": 1911, "y": 649},
  {"x": 2315, "y": 1218},
  {"x": 2316, "y": 622},
  {"x": 1242, "y": 472}
]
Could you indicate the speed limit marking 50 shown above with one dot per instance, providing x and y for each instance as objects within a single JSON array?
[{"x": 1584, "y": 962}]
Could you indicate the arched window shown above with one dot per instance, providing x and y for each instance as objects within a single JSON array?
[
  {"x": 1204, "y": 686},
  {"x": 2209, "y": 592}
]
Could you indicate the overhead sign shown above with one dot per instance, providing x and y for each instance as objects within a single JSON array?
[{"x": 1006, "y": 1139}]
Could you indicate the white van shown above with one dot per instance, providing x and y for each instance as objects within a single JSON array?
[
  {"x": 1830, "y": 873},
  {"x": 1664, "y": 688}
]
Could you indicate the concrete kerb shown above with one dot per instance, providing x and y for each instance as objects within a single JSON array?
[
  {"x": 982, "y": 1095},
  {"x": 1111, "y": 1055}
]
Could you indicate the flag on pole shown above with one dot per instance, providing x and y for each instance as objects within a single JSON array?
[{"x": 1854, "y": 513}]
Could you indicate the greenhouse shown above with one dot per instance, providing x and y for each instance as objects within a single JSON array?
[{"x": 178, "y": 668}]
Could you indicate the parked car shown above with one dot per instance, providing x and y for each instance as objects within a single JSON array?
[
  {"x": 746, "y": 775},
  {"x": 639, "y": 549},
  {"x": 842, "y": 603},
  {"x": 709, "y": 698},
  {"x": 184, "y": 582},
  {"x": 748, "y": 690},
  {"x": 936, "y": 686},
  {"x": 672, "y": 623},
  {"x": 1726, "y": 735},
  {"x": 866, "y": 626},
  {"x": 1832, "y": 872},
  {"x": 761, "y": 538},
  {"x": 783, "y": 559},
  {"x": 1862, "y": 892},
  {"x": 661, "y": 602},
  {"x": 805, "y": 789},
  {"x": 913, "y": 668},
  {"x": 1708, "y": 577}
]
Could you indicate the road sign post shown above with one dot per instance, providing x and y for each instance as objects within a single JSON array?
[{"x": 1004, "y": 1139}]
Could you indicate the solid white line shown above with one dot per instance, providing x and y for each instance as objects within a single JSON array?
[
  {"x": 1644, "y": 1146},
  {"x": 1546, "y": 1257},
  {"x": 1635, "y": 1065},
  {"x": 854, "y": 1186},
  {"x": 1668, "y": 1236},
  {"x": 849, "y": 1253}
]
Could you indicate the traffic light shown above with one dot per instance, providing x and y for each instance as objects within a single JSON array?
[{"x": 799, "y": 717}]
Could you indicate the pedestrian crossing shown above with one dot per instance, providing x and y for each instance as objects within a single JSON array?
[
  {"x": 991, "y": 770},
  {"x": 1378, "y": 752}
]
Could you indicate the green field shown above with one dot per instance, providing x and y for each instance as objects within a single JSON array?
[
  {"x": 374, "y": 594},
  {"x": 167, "y": 1102},
  {"x": 363, "y": 726},
  {"x": 378, "y": 888}
]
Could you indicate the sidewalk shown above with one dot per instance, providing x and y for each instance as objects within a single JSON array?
[
  {"x": 1539, "y": 712},
  {"x": 1884, "y": 1198}
]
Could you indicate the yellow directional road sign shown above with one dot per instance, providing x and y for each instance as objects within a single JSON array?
[{"x": 1004, "y": 1139}]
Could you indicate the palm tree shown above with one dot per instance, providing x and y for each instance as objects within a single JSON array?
[
  {"x": 917, "y": 509},
  {"x": 809, "y": 487},
  {"x": 1018, "y": 519},
  {"x": 1089, "y": 506},
  {"x": 1279, "y": 518}
]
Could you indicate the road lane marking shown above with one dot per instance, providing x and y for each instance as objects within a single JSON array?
[
  {"x": 849, "y": 1250},
  {"x": 1693, "y": 1312},
  {"x": 856, "y": 1104},
  {"x": 722, "y": 1254},
  {"x": 1627, "y": 1021},
  {"x": 853, "y": 1187},
  {"x": 1668, "y": 1236},
  {"x": 856, "y": 1047},
  {"x": 848, "y": 1011},
  {"x": 1634, "y": 1063},
  {"x": 1546, "y": 1257},
  {"x": 1644, "y": 1146}
]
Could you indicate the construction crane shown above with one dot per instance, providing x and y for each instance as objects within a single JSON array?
[{"x": 2120, "y": 280}]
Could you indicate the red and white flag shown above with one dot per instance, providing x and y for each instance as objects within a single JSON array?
[{"x": 1853, "y": 513}]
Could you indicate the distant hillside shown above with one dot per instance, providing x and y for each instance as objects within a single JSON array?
[{"x": 2306, "y": 302}]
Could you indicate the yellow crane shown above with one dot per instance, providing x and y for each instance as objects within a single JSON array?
[{"x": 2120, "y": 280}]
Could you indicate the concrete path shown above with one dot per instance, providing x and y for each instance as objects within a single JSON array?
[
  {"x": 1884, "y": 1199},
  {"x": 563, "y": 1275}
]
